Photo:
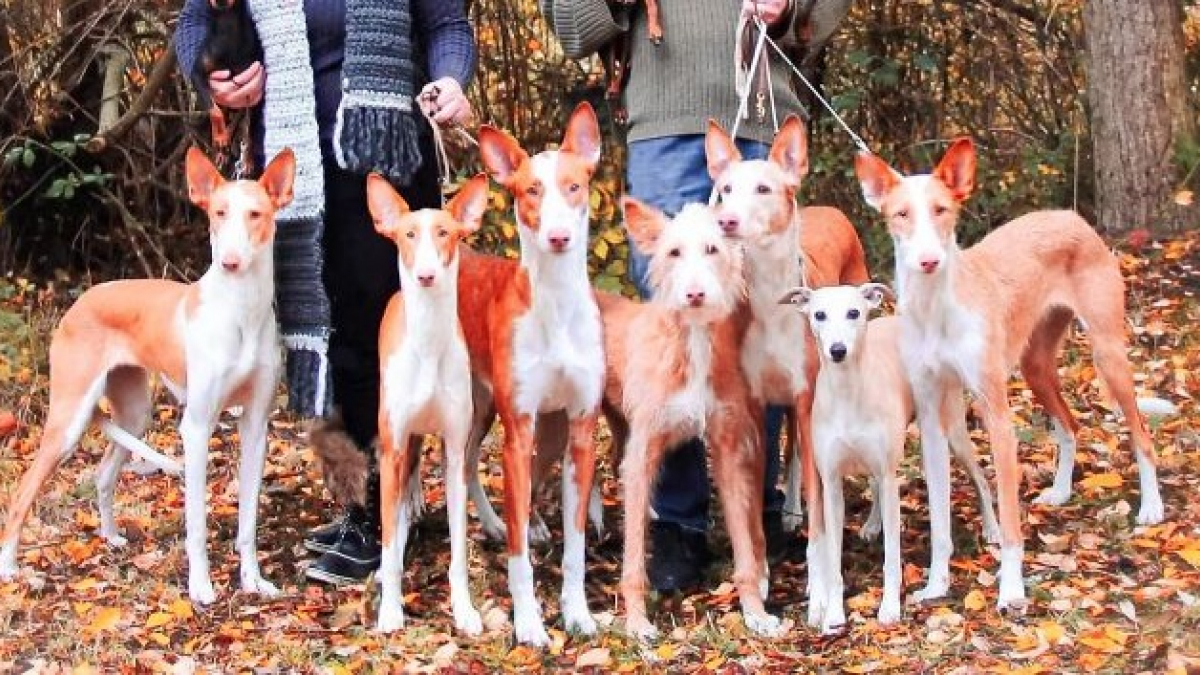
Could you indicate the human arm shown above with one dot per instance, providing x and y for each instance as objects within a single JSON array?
[{"x": 449, "y": 43}]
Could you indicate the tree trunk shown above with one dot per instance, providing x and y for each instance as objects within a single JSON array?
[{"x": 1139, "y": 112}]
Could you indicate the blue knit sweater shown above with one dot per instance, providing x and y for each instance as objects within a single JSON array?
[{"x": 440, "y": 30}]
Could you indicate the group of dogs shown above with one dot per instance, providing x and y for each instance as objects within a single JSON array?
[{"x": 729, "y": 329}]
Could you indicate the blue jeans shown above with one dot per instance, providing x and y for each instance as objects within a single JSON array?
[{"x": 668, "y": 173}]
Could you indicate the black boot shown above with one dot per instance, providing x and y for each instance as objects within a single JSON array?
[
  {"x": 678, "y": 558},
  {"x": 353, "y": 552}
]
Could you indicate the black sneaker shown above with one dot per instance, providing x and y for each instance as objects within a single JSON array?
[
  {"x": 678, "y": 557},
  {"x": 324, "y": 538},
  {"x": 353, "y": 558},
  {"x": 781, "y": 544}
]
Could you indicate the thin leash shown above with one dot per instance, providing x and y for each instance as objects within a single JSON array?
[{"x": 439, "y": 142}]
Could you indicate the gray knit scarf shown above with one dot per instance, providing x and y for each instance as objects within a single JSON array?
[{"x": 376, "y": 131}]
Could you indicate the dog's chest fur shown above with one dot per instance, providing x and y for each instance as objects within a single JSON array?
[
  {"x": 941, "y": 337},
  {"x": 427, "y": 381},
  {"x": 558, "y": 351}
]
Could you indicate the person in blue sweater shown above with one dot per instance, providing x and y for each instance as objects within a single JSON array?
[{"x": 372, "y": 64}]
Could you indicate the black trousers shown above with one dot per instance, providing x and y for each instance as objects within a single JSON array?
[{"x": 360, "y": 273}]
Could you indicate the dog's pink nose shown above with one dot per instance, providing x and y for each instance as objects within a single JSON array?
[
  {"x": 231, "y": 262},
  {"x": 695, "y": 296},
  {"x": 929, "y": 265},
  {"x": 426, "y": 277},
  {"x": 559, "y": 239},
  {"x": 729, "y": 224}
]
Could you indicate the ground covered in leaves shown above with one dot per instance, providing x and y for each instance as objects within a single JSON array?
[{"x": 1108, "y": 597}]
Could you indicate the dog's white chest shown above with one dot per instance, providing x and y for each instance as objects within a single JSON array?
[
  {"x": 946, "y": 342},
  {"x": 423, "y": 389},
  {"x": 559, "y": 357},
  {"x": 686, "y": 410}
]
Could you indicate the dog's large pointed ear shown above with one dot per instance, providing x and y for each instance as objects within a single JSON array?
[
  {"x": 582, "y": 136},
  {"x": 279, "y": 178},
  {"x": 790, "y": 149},
  {"x": 875, "y": 293},
  {"x": 798, "y": 296},
  {"x": 386, "y": 205},
  {"x": 202, "y": 177},
  {"x": 875, "y": 176},
  {"x": 957, "y": 168},
  {"x": 643, "y": 222},
  {"x": 468, "y": 205},
  {"x": 502, "y": 155},
  {"x": 719, "y": 150}
]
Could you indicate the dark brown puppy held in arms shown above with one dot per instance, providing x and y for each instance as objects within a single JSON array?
[{"x": 232, "y": 45}]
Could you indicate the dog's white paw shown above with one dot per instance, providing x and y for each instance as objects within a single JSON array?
[
  {"x": 641, "y": 628},
  {"x": 8, "y": 565},
  {"x": 764, "y": 625},
  {"x": 936, "y": 588},
  {"x": 889, "y": 610},
  {"x": 257, "y": 585},
  {"x": 391, "y": 617},
  {"x": 1054, "y": 496},
  {"x": 1011, "y": 594},
  {"x": 468, "y": 620},
  {"x": 1151, "y": 512},
  {"x": 578, "y": 621},
  {"x": 201, "y": 591},
  {"x": 530, "y": 631},
  {"x": 871, "y": 529}
]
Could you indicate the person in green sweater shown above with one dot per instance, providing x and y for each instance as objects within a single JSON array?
[{"x": 672, "y": 91}]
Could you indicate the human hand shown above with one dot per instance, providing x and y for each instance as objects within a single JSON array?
[
  {"x": 769, "y": 10},
  {"x": 243, "y": 90},
  {"x": 444, "y": 102}
]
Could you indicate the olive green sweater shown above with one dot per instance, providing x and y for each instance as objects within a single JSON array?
[{"x": 675, "y": 87}]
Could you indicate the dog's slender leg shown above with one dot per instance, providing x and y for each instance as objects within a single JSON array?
[
  {"x": 832, "y": 587},
  {"x": 993, "y": 397},
  {"x": 1039, "y": 366},
  {"x": 73, "y": 398},
  {"x": 199, "y": 418},
  {"x": 395, "y": 463},
  {"x": 1105, "y": 318},
  {"x": 874, "y": 523},
  {"x": 252, "y": 428},
  {"x": 642, "y": 457},
  {"x": 889, "y": 499},
  {"x": 481, "y": 423},
  {"x": 935, "y": 460},
  {"x": 738, "y": 462},
  {"x": 466, "y": 617},
  {"x": 551, "y": 438},
  {"x": 579, "y": 467},
  {"x": 812, "y": 482},
  {"x": 129, "y": 394},
  {"x": 518, "y": 467},
  {"x": 793, "y": 504},
  {"x": 954, "y": 420}
]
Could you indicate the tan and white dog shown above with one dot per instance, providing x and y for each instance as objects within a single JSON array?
[
  {"x": 215, "y": 345},
  {"x": 861, "y": 410},
  {"x": 425, "y": 382},
  {"x": 674, "y": 372},
  {"x": 534, "y": 334},
  {"x": 969, "y": 316}
]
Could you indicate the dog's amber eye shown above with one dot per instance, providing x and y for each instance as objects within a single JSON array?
[
  {"x": 255, "y": 215},
  {"x": 726, "y": 189},
  {"x": 763, "y": 189},
  {"x": 573, "y": 188},
  {"x": 220, "y": 213},
  {"x": 852, "y": 314},
  {"x": 442, "y": 234},
  {"x": 532, "y": 190},
  {"x": 710, "y": 250},
  {"x": 940, "y": 210},
  {"x": 411, "y": 234},
  {"x": 674, "y": 253},
  {"x": 902, "y": 213},
  {"x": 819, "y": 315}
]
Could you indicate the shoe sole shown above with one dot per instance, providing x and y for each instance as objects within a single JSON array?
[
  {"x": 317, "y": 574},
  {"x": 317, "y": 547}
]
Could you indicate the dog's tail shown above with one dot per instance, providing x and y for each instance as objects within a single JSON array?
[
  {"x": 1157, "y": 407},
  {"x": 344, "y": 467}
]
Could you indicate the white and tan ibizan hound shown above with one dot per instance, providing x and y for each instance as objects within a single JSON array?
[
  {"x": 861, "y": 410},
  {"x": 674, "y": 372},
  {"x": 215, "y": 345},
  {"x": 536, "y": 345},
  {"x": 425, "y": 382},
  {"x": 968, "y": 316}
]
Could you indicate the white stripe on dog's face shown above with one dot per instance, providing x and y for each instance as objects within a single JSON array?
[
  {"x": 241, "y": 224},
  {"x": 694, "y": 268},
  {"x": 838, "y": 317}
]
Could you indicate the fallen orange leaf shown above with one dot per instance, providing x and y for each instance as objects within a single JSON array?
[{"x": 1102, "y": 480}]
